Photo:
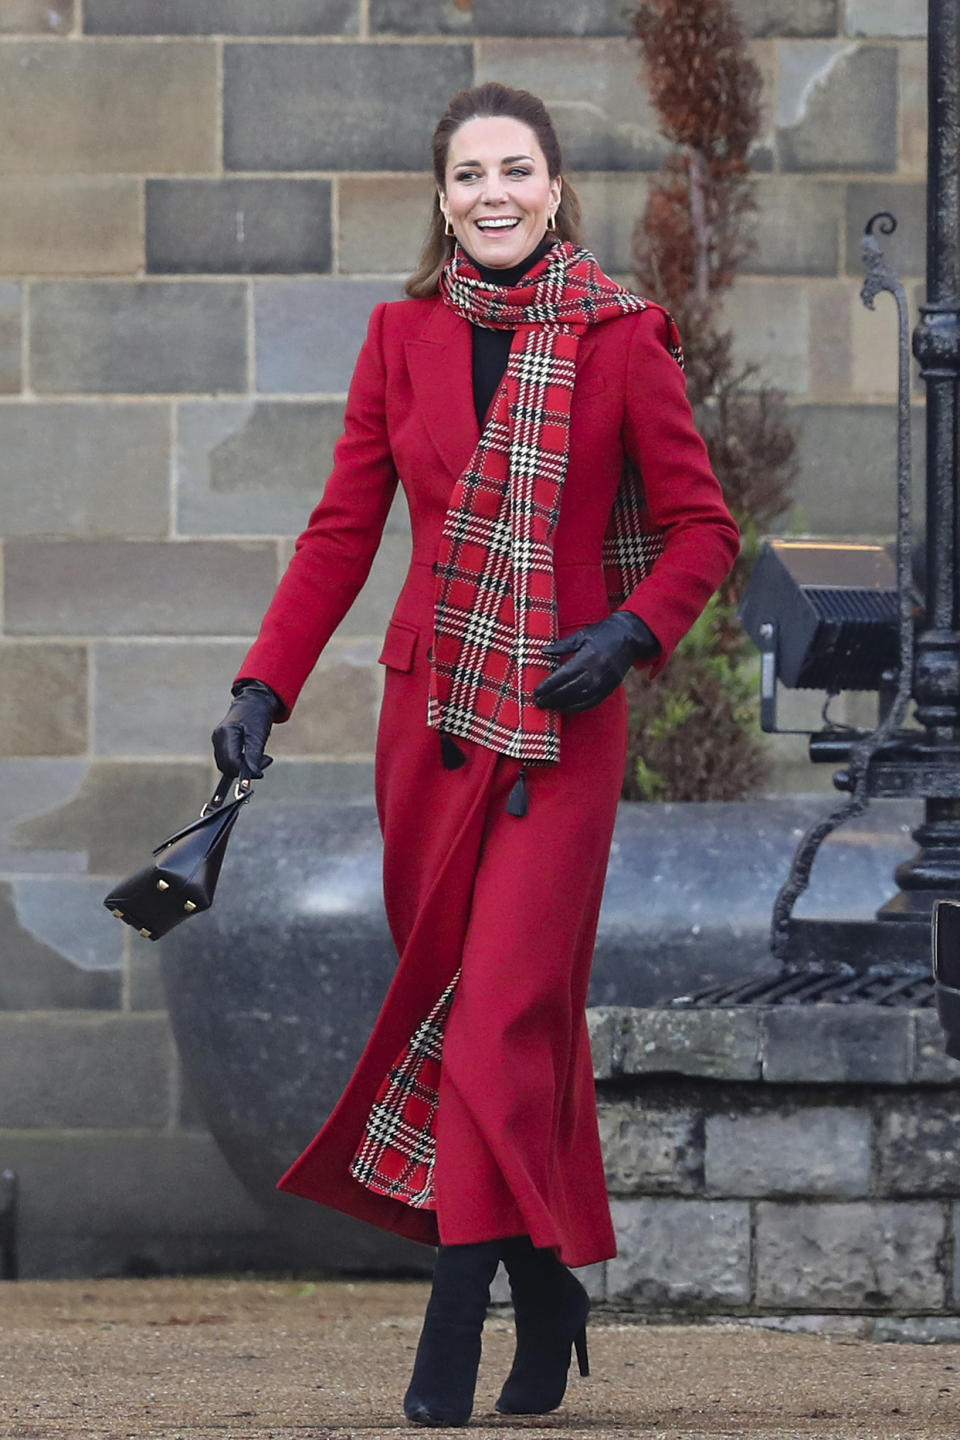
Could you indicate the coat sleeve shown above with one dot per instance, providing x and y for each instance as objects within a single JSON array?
[
  {"x": 333, "y": 556},
  {"x": 682, "y": 494}
]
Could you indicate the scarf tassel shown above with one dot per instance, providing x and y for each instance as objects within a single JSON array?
[
  {"x": 450, "y": 753},
  {"x": 519, "y": 803}
]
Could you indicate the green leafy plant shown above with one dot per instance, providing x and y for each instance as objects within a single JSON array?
[{"x": 693, "y": 730}]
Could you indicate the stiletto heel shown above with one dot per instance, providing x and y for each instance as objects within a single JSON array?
[{"x": 580, "y": 1345}]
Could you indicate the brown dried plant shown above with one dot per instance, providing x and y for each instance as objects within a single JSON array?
[{"x": 694, "y": 236}]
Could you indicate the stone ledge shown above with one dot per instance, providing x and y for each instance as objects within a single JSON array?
[{"x": 813, "y": 1044}]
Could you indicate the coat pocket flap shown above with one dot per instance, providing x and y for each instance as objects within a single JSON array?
[{"x": 399, "y": 645}]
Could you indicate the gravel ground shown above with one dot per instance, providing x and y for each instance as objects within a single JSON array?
[{"x": 252, "y": 1359}]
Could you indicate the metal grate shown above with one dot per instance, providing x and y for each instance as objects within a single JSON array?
[{"x": 877, "y": 986}]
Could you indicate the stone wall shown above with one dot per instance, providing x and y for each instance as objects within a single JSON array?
[
  {"x": 200, "y": 201},
  {"x": 796, "y": 1162}
]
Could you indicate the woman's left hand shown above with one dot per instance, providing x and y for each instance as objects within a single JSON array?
[{"x": 601, "y": 655}]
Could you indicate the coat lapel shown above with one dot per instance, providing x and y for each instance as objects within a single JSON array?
[{"x": 441, "y": 372}]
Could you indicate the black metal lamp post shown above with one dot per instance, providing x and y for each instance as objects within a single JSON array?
[{"x": 887, "y": 960}]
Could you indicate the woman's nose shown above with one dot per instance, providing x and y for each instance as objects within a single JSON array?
[{"x": 493, "y": 188}]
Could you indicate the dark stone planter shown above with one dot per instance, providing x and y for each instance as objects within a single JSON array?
[{"x": 272, "y": 993}]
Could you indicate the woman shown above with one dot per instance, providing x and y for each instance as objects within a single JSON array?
[{"x": 566, "y": 525}]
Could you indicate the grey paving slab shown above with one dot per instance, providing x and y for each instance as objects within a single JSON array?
[
  {"x": 811, "y": 1150},
  {"x": 932, "y": 1066},
  {"x": 499, "y": 17},
  {"x": 309, "y": 332},
  {"x": 677, "y": 1253},
  {"x": 57, "y": 955},
  {"x": 253, "y": 467},
  {"x": 80, "y": 1070},
  {"x": 850, "y": 1044},
  {"x": 854, "y": 1256},
  {"x": 221, "y": 17},
  {"x": 155, "y": 337},
  {"x": 147, "y": 587},
  {"x": 131, "y": 107},
  {"x": 85, "y": 470},
  {"x": 837, "y": 106},
  {"x": 719, "y": 1043},
  {"x": 918, "y": 1147},
  {"x": 337, "y": 107},
  {"x": 37, "y": 17},
  {"x": 602, "y": 114},
  {"x": 234, "y": 226},
  {"x": 651, "y": 1149},
  {"x": 70, "y": 224},
  {"x": 43, "y": 699},
  {"x": 11, "y": 345}
]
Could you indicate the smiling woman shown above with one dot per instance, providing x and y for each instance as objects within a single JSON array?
[{"x": 566, "y": 526}]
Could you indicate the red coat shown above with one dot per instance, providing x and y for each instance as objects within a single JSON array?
[{"x": 514, "y": 902}]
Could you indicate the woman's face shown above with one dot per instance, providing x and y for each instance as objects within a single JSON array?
[{"x": 498, "y": 193}]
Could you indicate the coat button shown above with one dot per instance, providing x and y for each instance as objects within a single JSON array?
[
  {"x": 429, "y": 652},
  {"x": 435, "y": 568}
]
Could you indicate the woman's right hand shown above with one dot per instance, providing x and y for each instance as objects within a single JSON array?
[{"x": 239, "y": 739}]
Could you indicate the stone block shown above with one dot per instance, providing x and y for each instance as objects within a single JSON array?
[
  {"x": 885, "y": 18},
  {"x": 845, "y": 1044},
  {"x": 383, "y": 221},
  {"x": 680, "y": 1254},
  {"x": 913, "y": 109},
  {"x": 135, "y": 1186},
  {"x": 249, "y": 468},
  {"x": 43, "y": 699},
  {"x": 906, "y": 248},
  {"x": 309, "y": 332},
  {"x": 160, "y": 698},
  {"x": 57, "y": 954},
  {"x": 29, "y": 788},
  {"x": 37, "y": 17},
  {"x": 66, "y": 225},
  {"x": 933, "y": 1066},
  {"x": 722, "y": 1044},
  {"x": 336, "y": 107},
  {"x": 916, "y": 1329},
  {"x": 498, "y": 17},
  {"x": 918, "y": 1147},
  {"x": 336, "y": 782},
  {"x": 804, "y": 19},
  {"x": 245, "y": 227},
  {"x": 809, "y": 1150},
  {"x": 847, "y": 475},
  {"x": 144, "y": 988},
  {"x": 85, "y": 470},
  {"x": 155, "y": 337},
  {"x": 837, "y": 106},
  {"x": 612, "y": 207},
  {"x": 221, "y": 17},
  {"x": 649, "y": 1149},
  {"x": 607, "y": 1025},
  {"x": 853, "y": 1256},
  {"x": 82, "y": 1070},
  {"x": 145, "y": 587},
  {"x": 602, "y": 113},
  {"x": 831, "y": 308},
  {"x": 10, "y": 339},
  {"x": 125, "y": 108},
  {"x": 154, "y": 799},
  {"x": 797, "y": 227},
  {"x": 337, "y": 710},
  {"x": 770, "y": 320}
]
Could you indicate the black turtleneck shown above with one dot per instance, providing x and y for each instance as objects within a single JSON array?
[{"x": 491, "y": 347}]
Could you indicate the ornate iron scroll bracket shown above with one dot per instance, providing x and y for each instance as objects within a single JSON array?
[{"x": 880, "y": 276}]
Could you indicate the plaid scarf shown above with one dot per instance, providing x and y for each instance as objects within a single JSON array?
[{"x": 495, "y": 605}]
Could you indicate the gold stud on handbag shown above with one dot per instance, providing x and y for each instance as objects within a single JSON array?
[{"x": 183, "y": 878}]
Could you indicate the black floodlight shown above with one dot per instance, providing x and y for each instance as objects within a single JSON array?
[{"x": 824, "y": 616}]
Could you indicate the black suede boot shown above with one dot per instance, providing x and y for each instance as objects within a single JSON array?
[
  {"x": 448, "y": 1355},
  {"x": 551, "y": 1309}
]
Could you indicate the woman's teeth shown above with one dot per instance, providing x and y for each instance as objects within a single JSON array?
[{"x": 498, "y": 224}]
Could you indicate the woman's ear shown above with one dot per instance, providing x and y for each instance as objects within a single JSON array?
[
  {"x": 442, "y": 204},
  {"x": 556, "y": 190}
]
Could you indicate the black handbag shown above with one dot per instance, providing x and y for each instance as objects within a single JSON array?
[{"x": 182, "y": 880}]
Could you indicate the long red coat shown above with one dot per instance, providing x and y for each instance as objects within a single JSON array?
[{"x": 513, "y": 902}]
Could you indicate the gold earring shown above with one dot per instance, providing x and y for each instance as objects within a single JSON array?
[
  {"x": 448, "y": 228},
  {"x": 552, "y": 221}
]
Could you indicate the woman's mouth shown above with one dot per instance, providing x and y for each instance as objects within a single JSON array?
[{"x": 507, "y": 222}]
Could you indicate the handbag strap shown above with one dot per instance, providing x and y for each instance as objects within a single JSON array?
[{"x": 242, "y": 790}]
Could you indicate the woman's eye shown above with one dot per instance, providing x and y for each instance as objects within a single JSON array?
[{"x": 520, "y": 171}]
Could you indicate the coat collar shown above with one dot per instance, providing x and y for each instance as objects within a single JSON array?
[{"x": 440, "y": 362}]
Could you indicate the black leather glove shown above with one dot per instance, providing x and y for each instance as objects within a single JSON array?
[
  {"x": 239, "y": 739},
  {"x": 601, "y": 656}
]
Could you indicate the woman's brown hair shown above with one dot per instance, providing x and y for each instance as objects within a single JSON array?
[{"x": 481, "y": 101}]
